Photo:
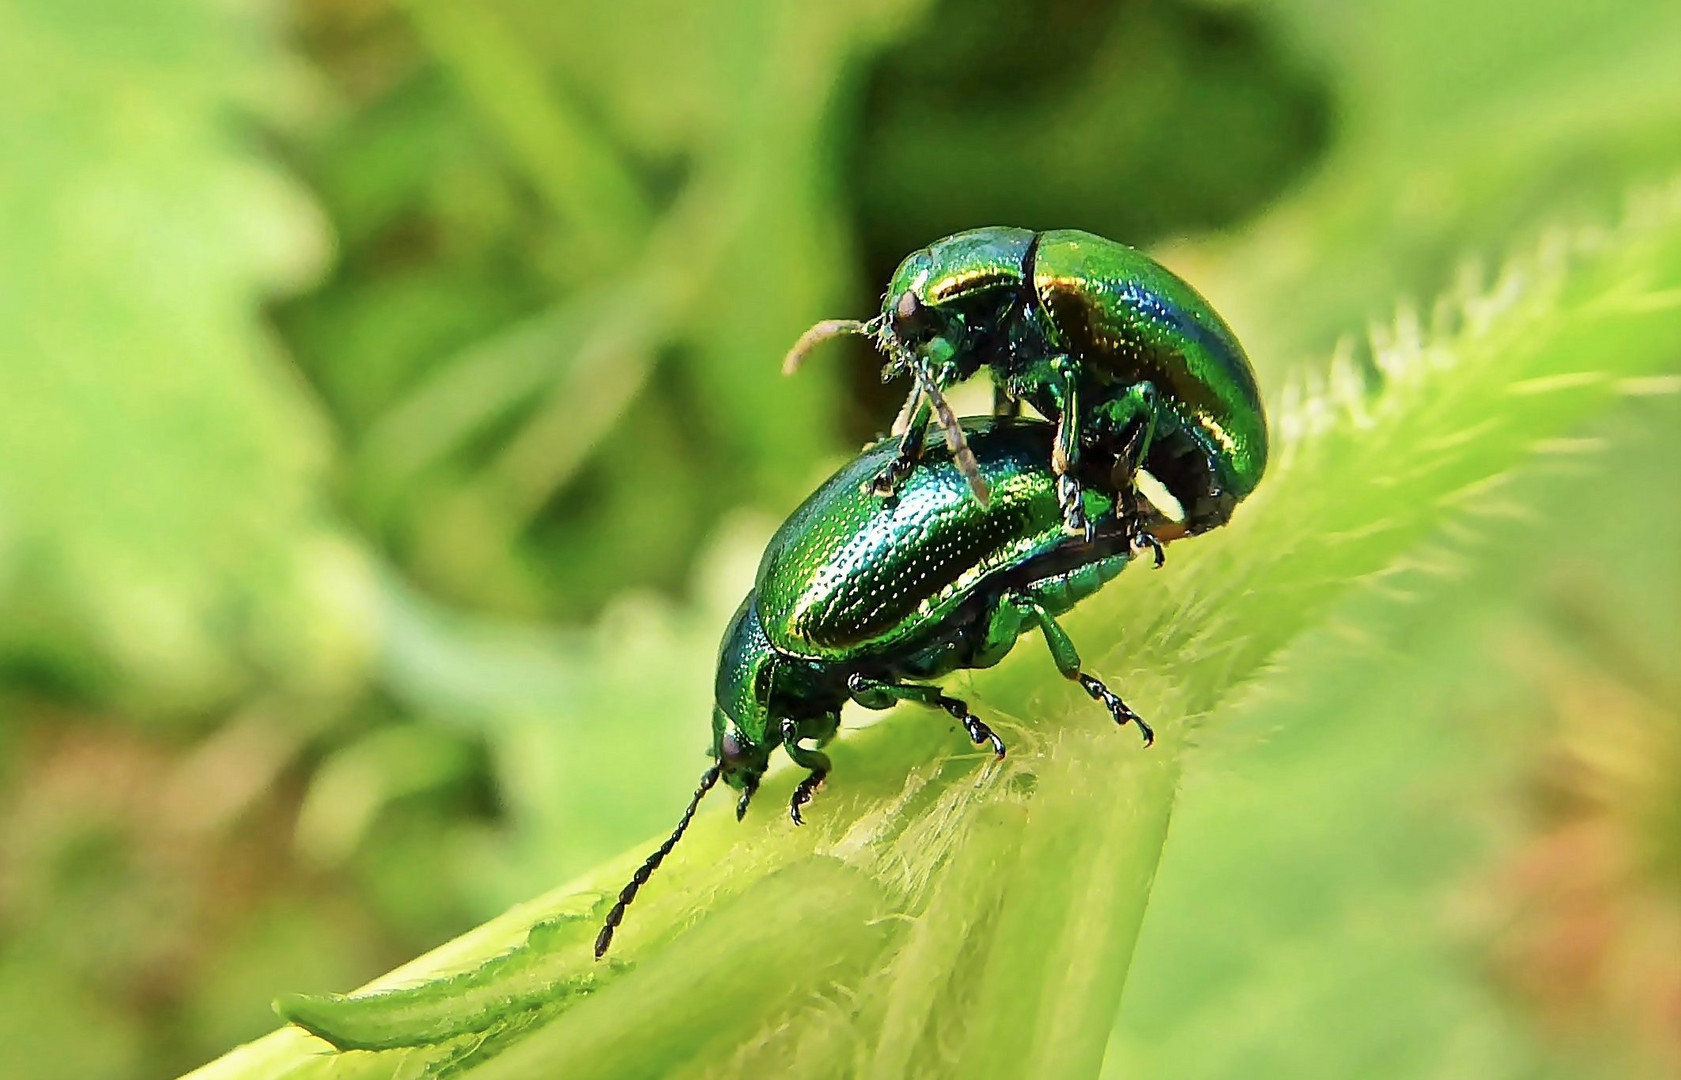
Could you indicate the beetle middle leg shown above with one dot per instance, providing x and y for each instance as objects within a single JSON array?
[
  {"x": 1065, "y": 451},
  {"x": 1067, "y": 659},
  {"x": 878, "y": 694},
  {"x": 1133, "y": 411}
]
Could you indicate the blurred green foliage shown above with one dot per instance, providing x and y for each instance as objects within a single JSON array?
[{"x": 391, "y": 416}]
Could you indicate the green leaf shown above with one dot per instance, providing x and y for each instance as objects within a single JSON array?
[
  {"x": 944, "y": 916},
  {"x": 161, "y": 535}
]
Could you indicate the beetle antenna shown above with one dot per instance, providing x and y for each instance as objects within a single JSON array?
[
  {"x": 652, "y": 863},
  {"x": 955, "y": 439},
  {"x": 817, "y": 335}
]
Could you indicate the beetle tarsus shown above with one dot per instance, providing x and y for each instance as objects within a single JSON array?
[
  {"x": 746, "y": 797},
  {"x": 1143, "y": 539},
  {"x": 886, "y": 482},
  {"x": 1074, "y": 518},
  {"x": 802, "y": 794},
  {"x": 977, "y": 728},
  {"x": 1117, "y": 708}
]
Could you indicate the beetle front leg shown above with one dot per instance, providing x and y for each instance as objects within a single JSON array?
[
  {"x": 1005, "y": 405},
  {"x": 878, "y": 694},
  {"x": 914, "y": 416},
  {"x": 815, "y": 762},
  {"x": 1067, "y": 659}
]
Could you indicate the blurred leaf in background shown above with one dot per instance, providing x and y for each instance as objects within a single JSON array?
[{"x": 180, "y": 607}]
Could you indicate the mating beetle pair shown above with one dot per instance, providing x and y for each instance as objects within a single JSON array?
[{"x": 908, "y": 565}]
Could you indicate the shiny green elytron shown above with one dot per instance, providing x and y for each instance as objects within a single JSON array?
[
  {"x": 1123, "y": 354},
  {"x": 865, "y": 599}
]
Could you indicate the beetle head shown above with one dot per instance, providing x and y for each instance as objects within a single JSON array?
[
  {"x": 741, "y": 759},
  {"x": 919, "y": 329},
  {"x": 961, "y": 291},
  {"x": 742, "y": 733}
]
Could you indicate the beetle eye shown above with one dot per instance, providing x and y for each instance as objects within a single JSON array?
[
  {"x": 729, "y": 749},
  {"x": 910, "y": 315}
]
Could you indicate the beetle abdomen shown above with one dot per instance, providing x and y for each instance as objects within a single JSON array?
[
  {"x": 850, "y": 572},
  {"x": 1127, "y": 318}
]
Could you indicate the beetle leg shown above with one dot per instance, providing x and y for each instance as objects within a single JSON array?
[
  {"x": 1117, "y": 708},
  {"x": 1134, "y": 411},
  {"x": 1065, "y": 451},
  {"x": 1067, "y": 659},
  {"x": 1143, "y": 538},
  {"x": 803, "y": 792},
  {"x": 815, "y": 762},
  {"x": 747, "y": 794},
  {"x": 915, "y": 406},
  {"x": 915, "y": 415},
  {"x": 877, "y": 694},
  {"x": 1005, "y": 405}
]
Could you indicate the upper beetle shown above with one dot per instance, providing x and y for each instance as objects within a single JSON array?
[
  {"x": 870, "y": 600},
  {"x": 1095, "y": 335}
]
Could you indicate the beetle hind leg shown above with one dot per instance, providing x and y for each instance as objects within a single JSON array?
[{"x": 1067, "y": 658}]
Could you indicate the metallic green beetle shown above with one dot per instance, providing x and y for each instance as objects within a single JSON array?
[
  {"x": 869, "y": 600},
  {"x": 1096, "y": 335}
]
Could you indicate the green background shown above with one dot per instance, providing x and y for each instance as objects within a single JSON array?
[{"x": 390, "y": 418}]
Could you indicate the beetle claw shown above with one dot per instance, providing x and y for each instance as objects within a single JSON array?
[
  {"x": 746, "y": 797},
  {"x": 1143, "y": 540},
  {"x": 979, "y": 733},
  {"x": 802, "y": 794},
  {"x": 1119, "y": 709}
]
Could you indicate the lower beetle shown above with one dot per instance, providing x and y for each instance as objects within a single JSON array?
[
  {"x": 1095, "y": 335},
  {"x": 868, "y": 600}
]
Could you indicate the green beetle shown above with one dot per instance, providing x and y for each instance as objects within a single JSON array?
[
  {"x": 870, "y": 600},
  {"x": 1098, "y": 336}
]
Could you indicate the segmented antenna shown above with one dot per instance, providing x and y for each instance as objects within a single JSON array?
[
  {"x": 817, "y": 335},
  {"x": 955, "y": 440},
  {"x": 652, "y": 863}
]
